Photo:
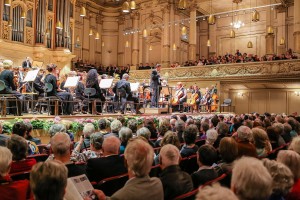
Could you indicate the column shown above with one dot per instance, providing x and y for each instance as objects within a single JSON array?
[
  {"x": 173, "y": 29},
  {"x": 270, "y": 44},
  {"x": 193, "y": 34},
  {"x": 166, "y": 37},
  {"x": 281, "y": 16},
  {"x": 135, "y": 39},
  {"x": 121, "y": 42},
  {"x": 297, "y": 26}
]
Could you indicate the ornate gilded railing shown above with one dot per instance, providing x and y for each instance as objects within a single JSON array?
[{"x": 270, "y": 70}]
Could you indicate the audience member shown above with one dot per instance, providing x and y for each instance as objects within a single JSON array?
[
  {"x": 295, "y": 145},
  {"x": 115, "y": 127},
  {"x": 215, "y": 192},
  {"x": 189, "y": 148},
  {"x": 179, "y": 129},
  {"x": 261, "y": 142},
  {"x": 132, "y": 124},
  {"x": 87, "y": 131},
  {"x": 28, "y": 135},
  {"x": 203, "y": 130},
  {"x": 211, "y": 137},
  {"x": 245, "y": 147},
  {"x": 125, "y": 135},
  {"x": 3, "y": 137},
  {"x": 102, "y": 124},
  {"x": 222, "y": 130},
  {"x": 145, "y": 133},
  {"x": 149, "y": 123}
]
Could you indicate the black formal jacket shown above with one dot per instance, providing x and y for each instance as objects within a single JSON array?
[
  {"x": 99, "y": 93},
  {"x": 155, "y": 80},
  {"x": 104, "y": 167},
  {"x": 124, "y": 87},
  {"x": 24, "y": 64},
  {"x": 175, "y": 182},
  {"x": 50, "y": 78},
  {"x": 38, "y": 84},
  {"x": 7, "y": 77},
  {"x": 75, "y": 170}
]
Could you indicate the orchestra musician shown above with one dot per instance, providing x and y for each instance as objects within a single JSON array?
[
  {"x": 122, "y": 90},
  {"x": 180, "y": 97},
  {"x": 7, "y": 76},
  {"x": 195, "y": 99},
  {"x": 92, "y": 81},
  {"x": 155, "y": 83},
  {"x": 26, "y": 63},
  {"x": 56, "y": 91}
]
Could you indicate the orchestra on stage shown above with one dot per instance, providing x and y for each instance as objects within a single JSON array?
[{"x": 86, "y": 95}]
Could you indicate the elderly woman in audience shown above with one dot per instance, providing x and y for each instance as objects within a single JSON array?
[
  {"x": 261, "y": 142},
  {"x": 115, "y": 127},
  {"x": 203, "y": 130},
  {"x": 286, "y": 133},
  {"x": 179, "y": 129},
  {"x": 55, "y": 128},
  {"x": 222, "y": 130},
  {"x": 215, "y": 192},
  {"x": 162, "y": 129},
  {"x": 279, "y": 128},
  {"x": 95, "y": 151},
  {"x": 274, "y": 136},
  {"x": 87, "y": 131},
  {"x": 211, "y": 136},
  {"x": 295, "y": 145},
  {"x": 28, "y": 135},
  {"x": 132, "y": 124},
  {"x": 292, "y": 160},
  {"x": 48, "y": 180},
  {"x": 283, "y": 178},
  {"x": 145, "y": 133},
  {"x": 228, "y": 150},
  {"x": 125, "y": 135},
  {"x": 11, "y": 189},
  {"x": 245, "y": 147},
  {"x": 291, "y": 121},
  {"x": 206, "y": 157},
  {"x": 251, "y": 180},
  {"x": 18, "y": 146},
  {"x": 102, "y": 124},
  {"x": 189, "y": 148},
  {"x": 149, "y": 123}
]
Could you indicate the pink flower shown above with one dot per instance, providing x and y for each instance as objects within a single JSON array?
[{"x": 26, "y": 120}]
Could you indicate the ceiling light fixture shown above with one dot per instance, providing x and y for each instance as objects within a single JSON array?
[
  {"x": 7, "y": 2},
  {"x": 125, "y": 7},
  {"x": 82, "y": 12},
  {"x": 59, "y": 25},
  {"x": 182, "y": 5}
]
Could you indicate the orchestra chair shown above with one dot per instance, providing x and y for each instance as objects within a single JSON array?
[
  {"x": 188, "y": 196},
  {"x": 112, "y": 184},
  {"x": 226, "y": 103},
  {"x": 4, "y": 98},
  {"x": 50, "y": 100},
  {"x": 88, "y": 92}
]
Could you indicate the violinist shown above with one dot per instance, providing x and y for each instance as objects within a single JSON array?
[
  {"x": 56, "y": 91},
  {"x": 7, "y": 76}
]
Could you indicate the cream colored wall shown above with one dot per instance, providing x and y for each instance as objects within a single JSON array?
[{"x": 265, "y": 100}]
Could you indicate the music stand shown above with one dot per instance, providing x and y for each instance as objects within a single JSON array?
[
  {"x": 106, "y": 84},
  {"x": 72, "y": 82},
  {"x": 30, "y": 77}
]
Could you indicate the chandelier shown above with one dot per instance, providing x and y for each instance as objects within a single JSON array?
[{"x": 237, "y": 24}]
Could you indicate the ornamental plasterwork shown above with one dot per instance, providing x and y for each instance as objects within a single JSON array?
[
  {"x": 29, "y": 36},
  {"x": 5, "y": 31},
  {"x": 265, "y": 70}
]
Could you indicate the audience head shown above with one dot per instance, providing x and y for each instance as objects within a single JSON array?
[
  {"x": 295, "y": 145},
  {"x": 55, "y": 128},
  {"x": 28, "y": 130},
  {"x": 283, "y": 178},
  {"x": 207, "y": 155},
  {"x": 111, "y": 146},
  {"x": 121, "y": 118},
  {"x": 88, "y": 129},
  {"x": 102, "y": 124},
  {"x": 144, "y": 132},
  {"x": 204, "y": 127},
  {"x": 211, "y": 136},
  {"x": 228, "y": 149},
  {"x": 260, "y": 138},
  {"x": 19, "y": 128},
  {"x": 222, "y": 128},
  {"x": 278, "y": 127},
  {"x": 125, "y": 134},
  {"x": 139, "y": 156},
  {"x": 18, "y": 147},
  {"x": 96, "y": 140},
  {"x": 48, "y": 180},
  {"x": 132, "y": 124},
  {"x": 179, "y": 125},
  {"x": 170, "y": 138},
  {"x": 183, "y": 117},
  {"x": 60, "y": 144},
  {"x": 244, "y": 134},
  {"x": 190, "y": 134},
  {"x": 292, "y": 160},
  {"x": 250, "y": 179},
  {"x": 169, "y": 155},
  {"x": 163, "y": 128},
  {"x": 115, "y": 126},
  {"x": 5, "y": 161},
  {"x": 215, "y": 192},
  {"x": 214, "y": 121}
]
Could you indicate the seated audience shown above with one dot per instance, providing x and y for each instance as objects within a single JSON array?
[
  {"x": 60, "y": 145},
  {"x": 261, "y": 142},
  {"x": 250, "y": 179},
  {"x": 28, "y": 135},
  {"x": 206, "y": 157},
  {"x": 283, "y": 179},
  {"x": 132, "y": 124},
  {"x": 295, "y": 145},
  {"x": 189, "y": 148},
  {"x": 279, "y": 128},
  {"x": 3, "y": 137},
  {"x": 228, "y": 150},
  {"x": 286, "y": 132},
  {"x": 110, "y": 164},
  {"x": 203, "y": 130},
  {"x": 245, "y": 147},
  {"x": 18, "y": 147},
  {"x": 48, "y": 180},
  {"x": 56, "y": 128},
  {"x": 215, "y": 192},
  {"x": 162, "y": 129},
  {"x": 175, "y": 182},
  {"x": 222, "y": 130},
  {"x": 87, "y": 131},
  {"x": 292, "y": 160},
  {"x": 102, "y": 124},
  {"x": 95, "y": 151},
  {"x": 125, "y": 135},
  {"x": 149, "y": 123},
  {"x": 9, "y": 189},
  {"x": 145, "y": 133},
  {"x": 179, "y": 127},
  {"x": 115, "y": 127},
  {"x": 211, "y": 137},
  {"x": 139, "y": 158}
]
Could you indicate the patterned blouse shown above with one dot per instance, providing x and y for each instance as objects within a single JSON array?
[{"x": 84, "y": 156}]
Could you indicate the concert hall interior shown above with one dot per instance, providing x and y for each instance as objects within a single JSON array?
[{"x": 243, "y": 52}]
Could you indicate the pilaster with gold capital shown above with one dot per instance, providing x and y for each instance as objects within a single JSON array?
[{"x": 270, "y": 50}]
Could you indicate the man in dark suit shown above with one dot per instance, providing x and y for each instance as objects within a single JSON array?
[
  {"x": 26, "y": 63},
  {"x": 122, "y": 91},
  {"x": 155, "y": 83},
  {"x": 111, "y": 164}
]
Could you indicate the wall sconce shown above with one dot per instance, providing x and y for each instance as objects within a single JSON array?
[
  {"x": 297, "y": 93},
  {"x": 109, "y": 51},
  {"x": 240, "y": 94}
]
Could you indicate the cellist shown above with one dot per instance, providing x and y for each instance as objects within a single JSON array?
[{"x": 180, "y": 97}]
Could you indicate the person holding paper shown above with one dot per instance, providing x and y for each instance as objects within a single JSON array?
[
  {"x": 66, "y": 97},
  {"x": 92, "y": 81}
]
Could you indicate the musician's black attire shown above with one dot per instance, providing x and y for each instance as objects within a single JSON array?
[
  {"x": 99, "y": 95},
  {"x": 155, "y": 86},
  {"x": 79, "y": 91},
  {"x": 66, "y": 97},
  {"x": 7, "y": 77},
  {"x": 38, "y": 84}
]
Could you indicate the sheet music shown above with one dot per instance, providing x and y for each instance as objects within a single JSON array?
[
  {"x": 31, "y": 75},
  {"x": 72, "y": 81},
  {"x": 106, "y": 83},
  {"x": 134, "y": 87}
]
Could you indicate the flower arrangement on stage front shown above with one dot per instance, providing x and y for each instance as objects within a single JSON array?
[{"x": 78, "y": 124}]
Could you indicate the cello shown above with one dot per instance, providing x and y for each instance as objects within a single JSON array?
[
  {"x": 214, "y": 104},
  {"x": 178, "y": 94}
]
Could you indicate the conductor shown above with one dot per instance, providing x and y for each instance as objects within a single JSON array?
[{"x": 155, "y": 83}]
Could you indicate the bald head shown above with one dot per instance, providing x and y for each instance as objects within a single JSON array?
[
  {"x": 111, "y": 145},
  {"x": 60, "y": 144},
  {"x": 169, "y": 155}
]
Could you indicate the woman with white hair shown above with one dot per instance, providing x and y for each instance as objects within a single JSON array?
[
  {"x": 125, "y": 135},
  {"x": 11, "y": 189}
]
